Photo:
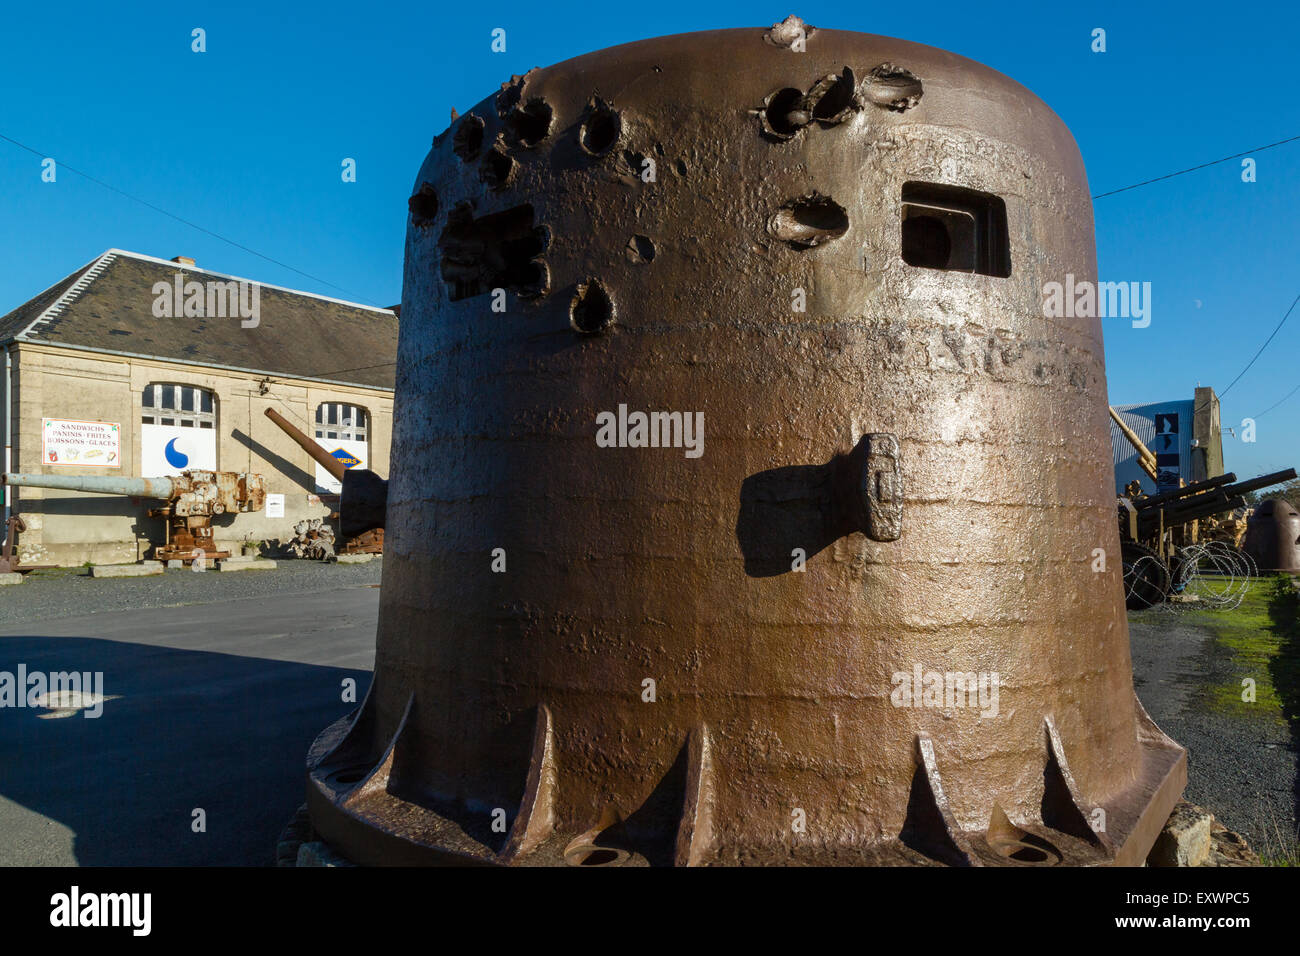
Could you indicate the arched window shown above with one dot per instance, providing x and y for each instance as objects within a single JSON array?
[
  {"x": 178, "y": 429},
  {"x": 187, "y": 406},
  {"x": 336, "y": 421},
  {"x": 342, "y": 430}
]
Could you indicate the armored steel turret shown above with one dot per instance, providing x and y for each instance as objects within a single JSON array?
[
  {"x": 1273, "y": 536},
  {"x": 745, "y": 502}
]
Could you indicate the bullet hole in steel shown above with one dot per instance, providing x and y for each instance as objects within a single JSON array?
[
  {"x": 681, "y": 167},
  {"x": 423, "y": 205},
  {"x": 592, "y": 310},
  {"x": 785, "y": 113},
  {"x": 512, "y": 90},
  {"x": 530, "y": 123},
  {"x": 788, "y": 110},
  {"x": 497, "y": 169},
  {"x": 502, "y": 250},
  {"x": 659, "y": 148},
  {"x": 809, "y": 221},
  {"x": 832, "y": 97},
  {"x": 469, "y": 138},
  {"x": 893, "y": 88},
  {"x": 600, "y": 130},
  {"x": 640, "y": 249},
  {"x": 534, "y": 280}
]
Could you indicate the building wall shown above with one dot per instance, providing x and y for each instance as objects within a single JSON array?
[
  {"x": 1207, "y": 430},
  {"x": 1166, "y": 429},
  {"x": 71, "y": 528}
]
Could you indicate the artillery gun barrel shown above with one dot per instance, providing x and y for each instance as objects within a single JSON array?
[
  {"x": 1263, "y": 481},
  {"x": 100, "y": 484},
  {"x": 1183, "y": 512},
  {"x": 309, "y": 445},
  {"x": 364, "y": 501},
  {"x": 1176, "y": 493},
  {"x": 1208, "y": 498},
  {"x": 1145, "y": 456},
  {"x": 1204, "y": 511}
]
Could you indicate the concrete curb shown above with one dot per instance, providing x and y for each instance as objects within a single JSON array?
[
  {"x": 245, "y": 564},
  {"x": 125, "y": 570}
]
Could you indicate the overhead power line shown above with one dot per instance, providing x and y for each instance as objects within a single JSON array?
[
  {"x": 1192, "y": 169},
  {"x": 1278, "y": 402},
  {"x": 184, "y": 221},
  {"x": 1262, "y": 347}
]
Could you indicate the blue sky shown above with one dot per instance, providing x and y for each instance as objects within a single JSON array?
[{"x": 246, "y": 140}]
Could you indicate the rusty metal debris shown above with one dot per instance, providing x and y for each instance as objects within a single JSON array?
[
  {"x": 9, "y": 563},
  {"x": 313, "y": 539},
  {"x": 596, "y": 655},
  {"x": 193, "y": 498}
]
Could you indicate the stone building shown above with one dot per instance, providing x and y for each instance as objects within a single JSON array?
[{"x": 134, "y": 365}]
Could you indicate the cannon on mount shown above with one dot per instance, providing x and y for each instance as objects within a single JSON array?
[
  {"x": 1154, "y": 528},
  {"x": 193, "y": 499},
  {"x": 1159, "y": 533},
  {"x": 365, "y": 495}
]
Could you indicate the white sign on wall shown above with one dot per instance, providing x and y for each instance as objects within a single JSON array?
[
  {"x": 275, "y": 506},
  {"x": 85, "y": 444},
  {"x": 352, "y": 454},
  {"x": 171, "y": 449}
]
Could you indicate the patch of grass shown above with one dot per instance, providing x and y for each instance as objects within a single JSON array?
[
  {"x": 1262, "y": 639},
  {"x": 1278, "y": 848}
]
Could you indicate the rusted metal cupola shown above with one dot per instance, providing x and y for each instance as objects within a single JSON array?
[
  {"x": 1273, "y": 536},
  {"x": 745, "y": 507}
]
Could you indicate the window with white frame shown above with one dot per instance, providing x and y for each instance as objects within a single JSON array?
[
  {"x": 341, "y": 422},
  {"x": 185, "y": 405}
]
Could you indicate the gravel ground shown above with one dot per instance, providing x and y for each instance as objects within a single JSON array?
[
  {"x": 71, "y": 592},
  {"x": 1243, "y": 771}
]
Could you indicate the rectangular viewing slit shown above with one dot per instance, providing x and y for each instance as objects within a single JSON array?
[{"x": 955, "y": 229}]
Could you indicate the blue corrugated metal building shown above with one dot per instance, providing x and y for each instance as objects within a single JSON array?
[{"x": 1170, "y": 430}]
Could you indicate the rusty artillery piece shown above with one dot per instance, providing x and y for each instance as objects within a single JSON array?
[
  {"x": 1159, "y": 533},
  {"x": 193, "y": 498},
  {"x": 604, "y": 640},
  {"x": 365, "y": 495},
  {"x": 9, "y": 562}
]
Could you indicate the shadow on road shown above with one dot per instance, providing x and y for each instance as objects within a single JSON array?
[{"x": 189, "y": 730}]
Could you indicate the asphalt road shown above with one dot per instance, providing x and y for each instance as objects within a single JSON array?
[
  {"x": 210, "y": 706},
  {"x": 217, "y": 684},
  {"x": 1243, "y": 771}
]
